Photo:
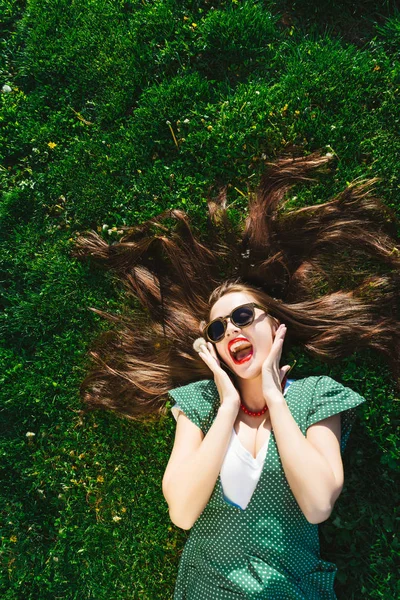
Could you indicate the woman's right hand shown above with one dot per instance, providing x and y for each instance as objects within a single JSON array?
[{"x": 228, "y": 394}]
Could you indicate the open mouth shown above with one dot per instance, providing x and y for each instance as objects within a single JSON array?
[{"x": 241, "y": 351}]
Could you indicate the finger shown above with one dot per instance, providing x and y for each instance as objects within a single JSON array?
[
  {"x": 277, "y": 346},
  {"x": 279, "y": 335},
  {"x": 283, "y": 371},
  {"x": 200, "y": 345},
  {"x": 209, "y": 360},
  {"x": 281, "y": 332},
  {"x": 209, "y": 354},
  {"x": 279, "y": 339},
  {"x": 212, "y": 351}
]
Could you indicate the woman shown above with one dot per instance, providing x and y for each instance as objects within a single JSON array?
[{"x": 255, "y": 467}]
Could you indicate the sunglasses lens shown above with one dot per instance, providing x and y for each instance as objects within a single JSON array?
[
  {"x": 216, "y": 331},
  {"x": 243, "y": 316}
]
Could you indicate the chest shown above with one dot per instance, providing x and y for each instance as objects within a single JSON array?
[{"x": 253, "y": 436}]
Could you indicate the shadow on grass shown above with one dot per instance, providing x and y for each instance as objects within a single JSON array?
[{"x": 355, "y": 22}]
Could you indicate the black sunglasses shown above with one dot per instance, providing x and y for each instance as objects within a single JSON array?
[{"x": 242, "y": 316}]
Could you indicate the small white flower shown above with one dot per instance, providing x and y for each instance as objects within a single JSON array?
[
  {"x": 263, "y": 156},
  {"x": 199, "y": 343},
  {"x": 329, "y": 154},
  {"x": 258, "y": 93},
  {"x": 30, "y": 434},
  {"x": 105, "y": 227},
  {"x": 186, "y": 121},
  {"x": 116, "y": 518},
  {"x": 6, "y": 89}
]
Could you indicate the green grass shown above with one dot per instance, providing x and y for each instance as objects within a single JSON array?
[{"x": 85, "y": 143}]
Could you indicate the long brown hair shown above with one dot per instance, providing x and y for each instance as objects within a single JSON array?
[{"x": 329, "y": 271}]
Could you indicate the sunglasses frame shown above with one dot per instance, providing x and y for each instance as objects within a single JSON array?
[{"x": 224, "y": 320}]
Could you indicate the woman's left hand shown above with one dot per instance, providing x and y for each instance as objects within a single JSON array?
[{"x": 272, "y": 373}]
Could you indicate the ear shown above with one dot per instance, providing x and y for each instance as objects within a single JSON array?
[{"x": 201, "y": 326}]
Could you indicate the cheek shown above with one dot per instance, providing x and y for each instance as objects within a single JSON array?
[
  {"x": 223, "y": 358},
  {"x": 218, "y": 352},
  {"x": 263, "y": 342}
]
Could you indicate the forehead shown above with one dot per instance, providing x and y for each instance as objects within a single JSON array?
[{"x": 228, "y": 302}]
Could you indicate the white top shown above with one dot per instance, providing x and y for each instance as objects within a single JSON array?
[{"x": 240, "y": 471}]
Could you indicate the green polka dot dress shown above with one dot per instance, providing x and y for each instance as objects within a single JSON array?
[{"x": 269, "y": 550}]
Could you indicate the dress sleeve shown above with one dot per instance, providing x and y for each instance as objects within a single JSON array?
[
  {"x": 330, "y": 398},
  {"x": 199, "y": 401}
]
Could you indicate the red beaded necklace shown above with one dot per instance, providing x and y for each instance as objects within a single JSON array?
[{"x": 252, "y": 413}]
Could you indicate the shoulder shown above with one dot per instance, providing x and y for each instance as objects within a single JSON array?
[
  {"x": 322, "y": 385},
  {"x": 327, "y": 387},
  {"x": 329, "y": 398},
  {"x": 199, "y": 401},
  {"x": 204, "y": 390}
]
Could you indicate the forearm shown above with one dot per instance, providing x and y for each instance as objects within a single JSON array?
[
  {"x": 309, "y": 475},
  {"x": 191, "y": 484}
]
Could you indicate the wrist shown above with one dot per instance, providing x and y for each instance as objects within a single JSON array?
[
  {"x": 229, "y": 410},
  {"x": 274, "y": 397}
]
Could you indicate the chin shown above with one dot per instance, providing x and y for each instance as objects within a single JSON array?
[{"x": 252, "y": 372}]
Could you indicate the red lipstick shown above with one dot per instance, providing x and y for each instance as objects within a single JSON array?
[{"x": 246, "y": 358}]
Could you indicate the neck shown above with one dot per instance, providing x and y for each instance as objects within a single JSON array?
[{"x": 251, "y": 393}]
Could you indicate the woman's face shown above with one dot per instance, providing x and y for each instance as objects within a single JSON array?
[{"x": 245, "y": 349}]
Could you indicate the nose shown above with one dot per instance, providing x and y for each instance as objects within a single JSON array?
[{"x": 231, "y": 329}]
